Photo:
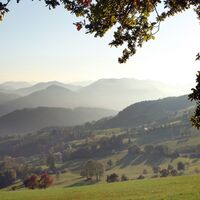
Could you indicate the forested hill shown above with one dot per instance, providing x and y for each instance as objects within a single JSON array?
[
  {"x": 151, "y": 112},
  {"x": 33, "y": 119}
]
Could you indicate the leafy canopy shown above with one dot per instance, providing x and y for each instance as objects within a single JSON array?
[{"x": 134, "y": 21}]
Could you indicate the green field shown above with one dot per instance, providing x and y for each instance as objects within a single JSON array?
[{"x": 178, "y": 188}]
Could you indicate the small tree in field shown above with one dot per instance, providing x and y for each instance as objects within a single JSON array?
[
  {"x": 45, "y": 181},
  {"x": 180, "y": 166},
  {"x": 92, "y": 168},
  {"x": 42, "y": 182},
  {"x": 31, "y": 182},
  {"x": 112, "y": 178}
]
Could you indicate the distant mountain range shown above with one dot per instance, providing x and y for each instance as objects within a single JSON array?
[
  {"x": 14, "y": 85},
  {"x": 105, "y": 93},
  {"x": 45, "y": 85},
  {"x": 30, "y": 120},
  {"x": 5, "y": 97}
]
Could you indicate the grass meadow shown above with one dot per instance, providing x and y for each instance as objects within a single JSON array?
[{"x": 172, "y": 188}]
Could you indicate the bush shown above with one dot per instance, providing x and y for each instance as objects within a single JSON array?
[
  {"x": 174, "y": 172},
  {"x": 134, "y": 150},
  {"x": 124, "y": 178},
  {"x": 145, "y": 171},
  {"x": 180, "y": 166},
  {"x": 141, "y": 177},
  {"x": 164, "y": 173},
  {"x": 34, "y": 181},
  {"x": 170, "y": 167},
  {"x": 148, "y": 149},
  {"x": 45, "y": 181},
  {"x": 156, "y": 169},
  {"x": 112, "y": 178},
  {"x": 31, "y": 182}
]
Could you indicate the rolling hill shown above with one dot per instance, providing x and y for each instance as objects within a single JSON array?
[
  {"x": 5, "y": 97},
  {"x": 53, "y": 96},
  {"x": 30, "y": 120},
  {"x": 151, "y": 112}
]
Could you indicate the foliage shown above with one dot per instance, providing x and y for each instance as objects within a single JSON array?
[
  {"x": 124, "y": 178},
  {"x": 134, "y": 21},
  {"x": 92, "y": 168},
  {"x": 164, "y": 173},
  {"x": 7, "y": 177},
  {"x": 112, "y": 178},
  {"x": 42, "y": 182},
  {"x": 134, "y": 150},
  {"x": 51, "y": 161},
  {"x": 31, "y": 182},
  {"x": 141, "y": 176},
  {"x": 45, "y": 181},
  {"x": 195, "y": 96},
  {"x": 156, "y": 169},
  {"x": 180, "y": 166}
]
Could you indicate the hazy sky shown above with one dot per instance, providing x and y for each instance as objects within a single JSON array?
[{"x": 42, "y": 45}]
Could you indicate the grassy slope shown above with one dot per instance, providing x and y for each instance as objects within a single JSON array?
[{"x": 184, "y": 188}]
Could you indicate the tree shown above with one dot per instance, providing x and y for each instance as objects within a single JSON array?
[
  {"x": 51, "y": 161},
  {"x": 124, "y": 177},
  {"x": 41, "y": 182},
  {"x": 164, "y": 173},
  {"x": 109, "y": 163},
  {"x": 7, "y": 177},
  {"x": 31, "y": 182},
  {"x": 148, "y": 149},
  {"x": 156, "y": 169},
  {"x": 195, "y": 96},
  {"x": 112, "y": 178},
  {"x": 134, "y": 22},
  {"x": 92, "y": 168},
  {"x": 180, "y": 166},
  {"x": 134, "y": 150},
  {"x": 45, "y": 181}
]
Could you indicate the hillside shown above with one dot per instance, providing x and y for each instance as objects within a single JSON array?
[
  {"x": 53, "y": 96},
  {"x": 30, "y": 120},
  {"x": 151, "y": 112},
  {"x": 176, "y": 188},
  {"x": 5, "y": 97}
]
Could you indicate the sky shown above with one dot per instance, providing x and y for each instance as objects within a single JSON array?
[{"x": 38, "y": 44}]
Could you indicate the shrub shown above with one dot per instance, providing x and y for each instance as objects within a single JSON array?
[
  {"x": 174, "y": 172},
  {"x": 145, "y": 171},
  {"x": 180, "y": 166},
  {"x": 141, "y": 177},
  {"x": 156, "y": 169},
  {"x": 124, "y": 178},
  {"x": 164, "y": 173},
  {"x": 170, "y": 167},
  {"x": 45, "y": 181},
  {"x": 112, "y": 178},
  {"x": 31, "y": 182},
  {"x": 34, "y": 181}
]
